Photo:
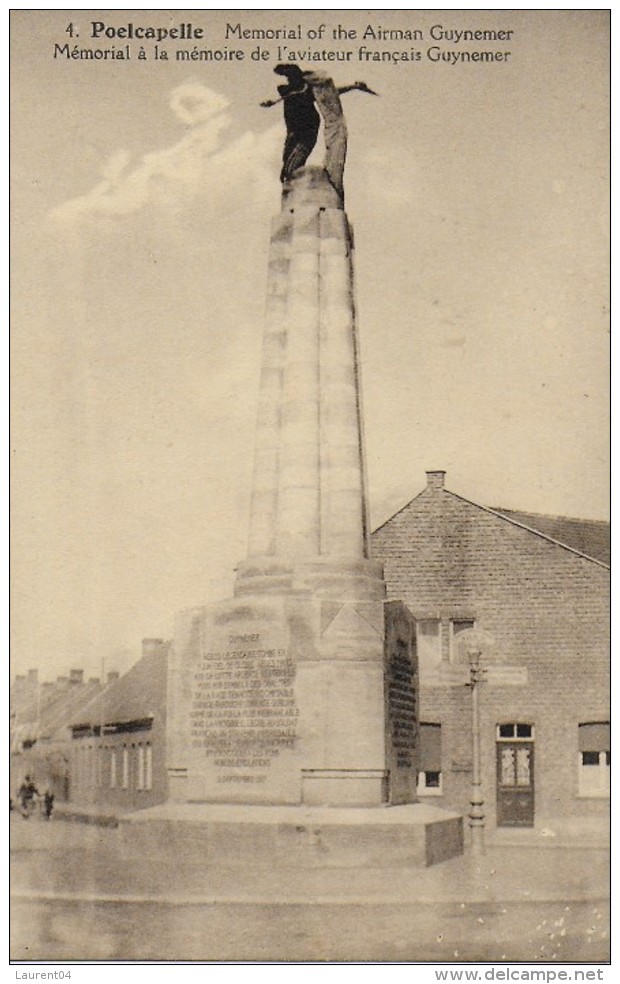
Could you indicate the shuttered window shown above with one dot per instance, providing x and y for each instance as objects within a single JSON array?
[
  {"x": 594, "y": 741},
  {"x": 148, "y": 768},
  {"x": 458, "y": 625},
  {"x": 429, "y": 777},
  {"x": 428, "y": 638},
  {"x": 595, "y": 737}
]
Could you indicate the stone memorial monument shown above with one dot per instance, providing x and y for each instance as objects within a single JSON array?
[{"x": 302, "y": 689}]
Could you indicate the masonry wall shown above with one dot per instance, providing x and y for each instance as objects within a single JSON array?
[
  {"x": 125, "y": 768},
  {"x": 136, "y": 778},
  {"x": 547, "y": 609}
]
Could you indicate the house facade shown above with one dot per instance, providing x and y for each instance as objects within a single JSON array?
[
  {"x": 118, "y": 741},
  {"x": 41, "y": 714},
  {"x": 541, "y": 607}
]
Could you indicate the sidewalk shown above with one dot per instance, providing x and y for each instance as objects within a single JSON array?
[
  {"x": 579, "y": 833},
  {"x": 97, "y": 867},
  {"x": 78, "y": 893},
  {"x": 84, "y": 814},
  {"x": 586, "y": 833}
]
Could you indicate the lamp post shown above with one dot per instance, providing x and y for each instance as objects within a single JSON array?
[
  {"x": 472, "y": 644},
  {"x": 476, "y": 813}
]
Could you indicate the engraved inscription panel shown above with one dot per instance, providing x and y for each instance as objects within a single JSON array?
[
  {"x": 243, "y": 711},
  {"x": 401, "y": 703}
]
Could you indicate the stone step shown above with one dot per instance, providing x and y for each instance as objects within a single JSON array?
[{"x": 415, "y": 835}]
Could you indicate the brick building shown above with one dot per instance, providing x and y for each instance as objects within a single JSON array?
[
  {"x": 118, "y": 741},
  {"x": 40, "y": 717},
  {"x": 537, "y": 587}
]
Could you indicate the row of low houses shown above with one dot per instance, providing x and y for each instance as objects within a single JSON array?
[
  {"x": 55, "y": 727},
  {"x": 118, "y": 741},
  {"x": 534, "y": 588},
  {"x": 40, "y": 718}
]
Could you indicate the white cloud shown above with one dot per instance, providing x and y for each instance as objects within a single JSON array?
[
  {"x": 199, "y": 165},
  {"x": 195, "y": 103},
  {"x": 114, "y": 166}
]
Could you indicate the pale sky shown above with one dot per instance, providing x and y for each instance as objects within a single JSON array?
[{"x": 142, "y": 196}]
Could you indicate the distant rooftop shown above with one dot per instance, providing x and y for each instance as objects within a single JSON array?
[{"x": 136, "y": 695}]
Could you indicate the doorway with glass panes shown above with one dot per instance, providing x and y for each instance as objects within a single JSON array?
[{"x": 515, "y": 775}]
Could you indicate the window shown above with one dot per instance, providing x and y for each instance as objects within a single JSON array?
[
  {"x": 512, "y": 732},
  {"x": 594, "y": 758},
  {"x": 456, "y": 627},
  {"x": 429, "y": 776},
  {"x": 125, "y": 767},
  {"x": 140, "y": 778},
  {"x": 428, "y": 637},
  {"x": 148, "y": 768},
  {"x": 112, "y": 769}
]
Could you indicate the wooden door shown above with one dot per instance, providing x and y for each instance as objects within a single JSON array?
[{"x": 515, "y": 784}]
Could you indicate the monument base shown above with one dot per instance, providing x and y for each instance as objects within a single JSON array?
[
  {"x": 294, "y": 698},
  {"x": 209, "y": 835}
]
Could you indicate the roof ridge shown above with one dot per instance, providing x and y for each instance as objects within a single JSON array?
[
  {"x": 399, "y": 511},
  {"x": 530, "y": 529},
  {"x": 529, "y": 512}
]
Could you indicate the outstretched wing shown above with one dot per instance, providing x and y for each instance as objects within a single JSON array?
[{"x": 364, "y": 88}]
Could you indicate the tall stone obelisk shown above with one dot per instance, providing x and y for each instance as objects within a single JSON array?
[
  {"x": 309, "y": 503},
  {"x": 303, "y": 687}
]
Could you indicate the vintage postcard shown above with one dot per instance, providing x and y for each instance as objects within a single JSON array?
[{"x": 310, "y": 457}]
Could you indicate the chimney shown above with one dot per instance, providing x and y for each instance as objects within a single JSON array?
[
  {"x": 435, "y": 480},
  {"x": 93, "y": 680},
  {"x": 33, "y": 677},
  {"x": 151, "y": 646},
  {"x": 62, "y": 680},
  {"x": 112, "y": 676},
  {"x": 76, "y": 676}
]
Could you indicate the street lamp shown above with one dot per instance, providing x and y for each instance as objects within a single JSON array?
[{"x": 472, "y": 643}]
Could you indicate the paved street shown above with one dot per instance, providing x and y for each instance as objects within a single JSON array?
[{"x": 74, "y": 899}]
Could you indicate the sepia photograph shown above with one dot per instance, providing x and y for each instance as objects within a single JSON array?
[{"x": 310, "y": 609}]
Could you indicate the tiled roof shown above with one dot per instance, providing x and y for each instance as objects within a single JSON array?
[
  {"x": 30, "y": 722},
  {"x": 62, "y": 711},
  {"x": 139, "y": 693},
  {"x": 589, "y": 536}
]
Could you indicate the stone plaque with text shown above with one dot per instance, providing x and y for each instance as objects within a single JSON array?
[
  {"x": 401, "y": 702},
  {"x": 242, "y": 712}
]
